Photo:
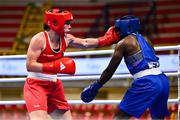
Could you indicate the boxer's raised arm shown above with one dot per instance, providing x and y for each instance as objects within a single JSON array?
[{"x": 110, "y": 37}]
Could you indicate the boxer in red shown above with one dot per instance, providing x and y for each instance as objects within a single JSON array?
[{"x": 43, "y": 92}]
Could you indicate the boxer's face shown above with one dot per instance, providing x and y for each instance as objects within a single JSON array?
[{"x": 67, "y": 26}]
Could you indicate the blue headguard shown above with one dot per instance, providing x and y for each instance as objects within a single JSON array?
[{"x": 127, "y": 25}]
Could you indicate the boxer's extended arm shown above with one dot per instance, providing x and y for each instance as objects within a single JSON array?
[
  {"x": 113, "y": 64},
  {"x": 90, "y": 92},
  {"x": 110, "y": 37},
  {"x": 82, "y": 43}
]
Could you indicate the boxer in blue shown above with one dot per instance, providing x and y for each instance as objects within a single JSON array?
[{"x": 150, "y": 87}]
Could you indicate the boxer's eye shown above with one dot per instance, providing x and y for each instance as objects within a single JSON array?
[{"x": 68, "y": 22}]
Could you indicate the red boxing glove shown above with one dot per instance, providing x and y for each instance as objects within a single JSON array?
[
  {"x": 110, "y": 37},
  {"x": 63, "y": 65}
]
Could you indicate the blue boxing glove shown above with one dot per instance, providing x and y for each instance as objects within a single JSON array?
[{"x": 90, "y": 92}]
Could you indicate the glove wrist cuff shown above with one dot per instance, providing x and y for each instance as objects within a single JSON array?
[{"x": 98, "y": 85}]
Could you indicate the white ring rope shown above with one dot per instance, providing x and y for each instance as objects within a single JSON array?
[
  {"x": 87, "y": 77},
  {"x": 93, "y": 52},
  {"x": 18, "y": 102},
  {"x": 82, "y": 53}
]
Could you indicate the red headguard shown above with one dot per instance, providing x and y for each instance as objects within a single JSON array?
[{"x": 56, "y": 19}]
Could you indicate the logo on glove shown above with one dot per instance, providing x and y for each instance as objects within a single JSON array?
[{"x": 62, "y": 66}]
